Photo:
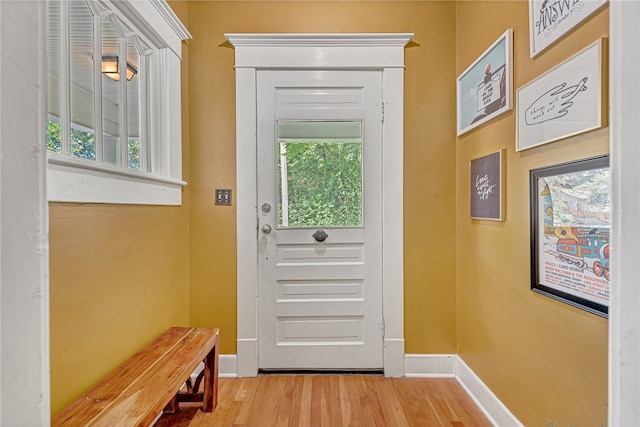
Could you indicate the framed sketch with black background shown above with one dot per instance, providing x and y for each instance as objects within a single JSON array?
[
  {"x": 486, "y": 187},
  {"x": 484, "y": 89},
  {"x": 570, "y": 223},
  {"x": 549, "y": 20},
  {"x": 567, "y": 100}
]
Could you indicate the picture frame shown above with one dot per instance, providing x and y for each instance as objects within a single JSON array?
[
  {"x": 549, "y": 21},
  {"x": 567, "y": 100},
  {"x": 570, "y": 223},
  {"x": 486, "y": 187},
  {"x": 484, "y": 90}
]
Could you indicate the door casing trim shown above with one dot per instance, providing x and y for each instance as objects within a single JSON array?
[{"x": 320, "y": 51}]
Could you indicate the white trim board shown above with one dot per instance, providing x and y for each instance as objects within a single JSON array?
[
  {"x": 228, "y": 366},
  {"x": 452, "y": 365},
  {"x": 319, "y": 51},
  {"x": 24, "y": 261},
  {"x": 430, "y": 365}
]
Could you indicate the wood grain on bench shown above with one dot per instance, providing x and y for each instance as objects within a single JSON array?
[{"x": 138, "y": 390}]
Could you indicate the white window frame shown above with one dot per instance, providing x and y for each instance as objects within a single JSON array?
[{"x": 81, "y": 181}]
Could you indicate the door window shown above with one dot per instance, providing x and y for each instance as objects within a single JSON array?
[{"x": 319, "y": 173}]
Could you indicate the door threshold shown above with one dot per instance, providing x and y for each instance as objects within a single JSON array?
[{"x": 293, "y": 371}]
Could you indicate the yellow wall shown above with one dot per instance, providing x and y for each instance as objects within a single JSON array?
[
  {"x": 544, "y": 359},
  {"x": 122, "y": 274},
  {"x": 119, "y": 278},
  {"x": 429, "y": 134}
]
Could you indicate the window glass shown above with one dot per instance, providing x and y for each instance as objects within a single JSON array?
[
  {"x": 110, "y": 92},
  {"x": 133, "y": 105},
  {"x": 319, "y": 174},
  {"x": 54, "y": 54},
  {"x": 81, "y": 53}
]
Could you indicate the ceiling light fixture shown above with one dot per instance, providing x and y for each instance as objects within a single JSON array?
[{"x": 111, "y": 68}]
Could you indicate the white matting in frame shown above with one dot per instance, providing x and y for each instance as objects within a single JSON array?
[
  {"x": 550, "y": 20},
  {"x": 484, "y": 89},
  {"x": 567, "y": 100}
]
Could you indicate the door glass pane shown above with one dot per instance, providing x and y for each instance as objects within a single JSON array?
[
  {"x": 82, "y": 94},
  {"x": 319, "y": 173}
]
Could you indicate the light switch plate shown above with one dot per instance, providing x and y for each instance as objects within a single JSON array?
[{"x": 223, "y": 197}]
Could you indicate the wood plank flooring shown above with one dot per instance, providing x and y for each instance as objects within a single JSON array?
[{"x": 333, "y": 401}]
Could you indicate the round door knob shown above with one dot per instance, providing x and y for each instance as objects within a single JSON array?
[
  {"x": 266, "y": 229},
  {"x": 320, "y": 235}
]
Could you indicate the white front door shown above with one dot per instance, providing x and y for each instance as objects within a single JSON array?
[{"x": 319, "y": 174}]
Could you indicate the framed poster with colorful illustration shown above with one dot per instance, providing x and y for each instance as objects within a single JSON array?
[
  {"x": 549, "y": 20},
  {"x": 484, "y": 89},
  {"x": 567, "y": 100},
  {"x": 486, "y": 189},
  {"x": 570, "y": 223}
]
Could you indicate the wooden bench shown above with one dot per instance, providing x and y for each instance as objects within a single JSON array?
[{"x": 150, "y": 382}]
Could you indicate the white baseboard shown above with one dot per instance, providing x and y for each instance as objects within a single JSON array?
[
  {"x": 482, "y": 395},
  {"x": 228, "y": 366},
  {"x": 452, "y": 366},
  {"x": 430, "y": 365}
]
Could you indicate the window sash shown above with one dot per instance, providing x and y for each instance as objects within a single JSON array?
[
  {"x": 160, "y": 179},
  {"x": 125, "y": 40}
]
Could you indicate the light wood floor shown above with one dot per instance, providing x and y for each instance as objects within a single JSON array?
[{"x": 334, "y": 400}]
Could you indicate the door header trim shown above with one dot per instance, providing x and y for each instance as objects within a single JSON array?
[
  {"x": 314, "y": 40},
  {"x": 309, "y": 51}
]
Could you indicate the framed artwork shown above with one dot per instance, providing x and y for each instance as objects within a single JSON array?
[
  {"x": 567, "y": 100},
  {"x": 570, "y": 223},
  {"x": 549, "y": 20},
  {"x": 484, "y": 89},
  {"x": 486, "y": 188}
]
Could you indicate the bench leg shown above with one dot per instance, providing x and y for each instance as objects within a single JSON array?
[
  {"x": 210, "y": 398},
  {"x": 172, "y": 406}
]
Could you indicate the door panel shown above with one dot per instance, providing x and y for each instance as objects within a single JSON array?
[{"x": 320, "y": 302}]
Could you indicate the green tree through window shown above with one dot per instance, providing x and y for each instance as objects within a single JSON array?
[
  {"x": 83, "y": 144},
  {"x": 324, "y": 183},
  {"x": 53, "y": 136}
]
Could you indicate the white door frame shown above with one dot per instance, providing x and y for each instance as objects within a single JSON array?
[{"x": 320, "y": 51}]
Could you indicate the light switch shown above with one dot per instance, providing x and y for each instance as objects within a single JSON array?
[{"x": 223, "y": 197}]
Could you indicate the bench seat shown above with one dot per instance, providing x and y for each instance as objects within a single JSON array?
[{"x": 143, "y": 386}]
